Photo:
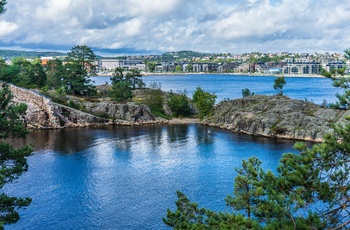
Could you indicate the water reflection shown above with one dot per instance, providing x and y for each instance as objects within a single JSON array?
[
  {"x": 177, "y": 133},
  {"x": 204, "y": 135},
  {"x": 126, "y": 177}
]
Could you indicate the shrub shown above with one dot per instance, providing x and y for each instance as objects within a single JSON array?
[
  {"x": 246, "y": 92},
  {"x": 179, "y": 104}
]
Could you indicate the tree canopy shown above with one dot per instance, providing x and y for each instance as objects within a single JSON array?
[
  {"x": 178, "y": 103},
  {"x": 204, "y": 101},
  {"x": 84, "y": 58},
  {"x": 124, "y": 81}
]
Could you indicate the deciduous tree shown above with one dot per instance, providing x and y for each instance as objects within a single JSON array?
[
  {"x": 178, "y": 103},
  {"x": 204, "y": 101}
]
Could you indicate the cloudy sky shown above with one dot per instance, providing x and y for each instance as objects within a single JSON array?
[{"x": 158, "y": 26}]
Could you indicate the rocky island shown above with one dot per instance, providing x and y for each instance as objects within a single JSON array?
[
  {"x": 276, "y": 117},
  {"x": 269, "y": 116}
]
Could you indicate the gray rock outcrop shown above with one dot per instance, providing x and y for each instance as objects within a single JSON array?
[
  {"x": 276, "y": 116},
  {"x": 42, "y": 113}
]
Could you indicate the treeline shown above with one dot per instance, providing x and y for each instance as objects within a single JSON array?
[
  {"x": 10, "y": 54},
  {"x": 70, "y": 75}
]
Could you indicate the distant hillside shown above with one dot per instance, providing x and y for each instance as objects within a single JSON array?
[
  {"x": 9, "y": 54},
  {"x": 171, "y": 56}
]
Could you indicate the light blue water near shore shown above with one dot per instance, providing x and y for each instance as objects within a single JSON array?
[
  {"x": 127, "y": 177},
  {"x": 230, "y": 86}
]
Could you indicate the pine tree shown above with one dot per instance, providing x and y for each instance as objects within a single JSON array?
[
  {"x": 311, "y": 190},
  {"x": 13, "y": 161}
]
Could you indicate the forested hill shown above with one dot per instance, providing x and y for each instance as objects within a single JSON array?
[{"x": 9, "y": 54}]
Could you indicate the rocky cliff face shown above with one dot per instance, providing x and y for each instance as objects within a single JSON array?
[
  {"x": 130, "y": 112},
  {"x": 276, "y": 116},
  {"x": 42, "y": 113}
]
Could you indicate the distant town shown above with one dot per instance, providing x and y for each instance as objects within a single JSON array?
[{"x": 193, "y": 62}]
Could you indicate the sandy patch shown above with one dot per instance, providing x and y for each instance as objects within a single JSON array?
[{"x": 184, "y": 121}]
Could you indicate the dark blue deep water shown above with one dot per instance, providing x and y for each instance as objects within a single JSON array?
[{"x": 127, "y": 177}]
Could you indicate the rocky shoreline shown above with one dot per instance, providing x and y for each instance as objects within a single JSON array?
[
  {"x": 268, "y": 116},
  {"x": 276, "y": 117}
]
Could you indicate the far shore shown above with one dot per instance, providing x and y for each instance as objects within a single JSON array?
[{"x": 145, "y": 74}]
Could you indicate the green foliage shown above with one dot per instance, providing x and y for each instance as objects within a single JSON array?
[
  {"x": 326, "y": 73},
  {"x": 74, "y": 75},
  {"x": 59, "y": 95},
  {"x": 23, "y": 73},
  {"x": 189, "y": 216},
  {"x": 135, "y": 77},
  {"x": 178, "y": 68},
  {"x": 75, "y": 81},
  {"x": 8, "y": 73},
  {"x": 247, "y": 190},
  {"x": 347, "y": 54},
  {"x": 189, "y": 68},
  {"x": 151, "y": 66},
  {"x": 155, "y": 99},
  {"x": 309, "y": 191},
  {"x": 340, "y": 81},
  {"x": 84, "y": 57},
  {"x": 204, "y": 101},
  {"x": 2, "y": 6},
  {"x": 179, "y": 104},
  {"x": 10, "y": 54},
  {"x": 246, "y": 92},
  {"x": 55, "y": 73},
  {"x": 279, "y": 84},
  {"x": 123, "y": 83},
  {"x": 121, "y": 86},
  {"x": 173, "y": 56},
  {"x": 13, "y": 161},
  {"x": 121, "y": 92}
]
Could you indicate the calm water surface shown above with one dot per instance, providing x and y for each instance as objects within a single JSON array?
[
  {"x": 126, "y": 177},
  {"x": 230, "y": 86}
]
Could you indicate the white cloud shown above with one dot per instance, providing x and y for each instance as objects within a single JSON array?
[
  {"x": 201, "y": 25},
  {"x": 7, "y": 28},
  {"x": 52, "y": 10}
]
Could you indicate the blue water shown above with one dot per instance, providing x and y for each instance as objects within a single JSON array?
[
  {"x": 127, "y": 177},
  {"x": 230, "y": 86}
]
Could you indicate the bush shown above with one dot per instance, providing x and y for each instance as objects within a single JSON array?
[
  {"x": 178, "y": 104},
  {"x": 155, "y": 99},
  {"x": 246, "y": 92},
  {"x": 204, "y": 102}
]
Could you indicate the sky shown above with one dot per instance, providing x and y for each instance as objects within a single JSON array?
[{"x": 112, "y": 27}]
